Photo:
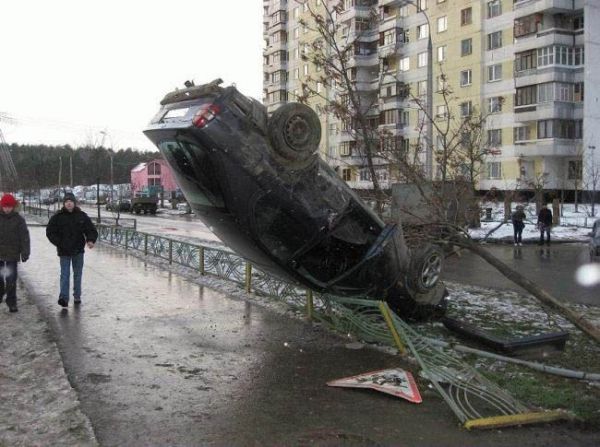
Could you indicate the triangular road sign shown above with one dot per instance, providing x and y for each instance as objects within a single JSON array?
[{"x": 395, "y": 381}]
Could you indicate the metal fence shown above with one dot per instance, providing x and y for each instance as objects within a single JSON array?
[{"x": 47, "y": 213}]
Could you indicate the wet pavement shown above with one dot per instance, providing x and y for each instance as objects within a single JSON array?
[
  {"x": 158, "y": 360},
  {"x": 552, "y": 267}
]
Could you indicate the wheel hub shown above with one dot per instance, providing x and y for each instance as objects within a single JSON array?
[
  {"x": 297, "y": 132},
  {"x": 432, "y": 268}
]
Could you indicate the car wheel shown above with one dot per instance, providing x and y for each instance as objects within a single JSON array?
[
  {"x": 295, "y": 132},
  {"x": 425, "y": 268}
]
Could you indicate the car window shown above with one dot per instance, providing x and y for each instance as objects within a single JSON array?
[{"x": 192, "y": 165}]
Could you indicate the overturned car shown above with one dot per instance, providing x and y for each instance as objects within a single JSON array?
[{"x": 259, "y": 184}]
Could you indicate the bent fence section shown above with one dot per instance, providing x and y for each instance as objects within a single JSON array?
[{"x": 476, "y": 401}]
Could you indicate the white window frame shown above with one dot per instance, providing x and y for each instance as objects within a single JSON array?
[
  {"x": 469, "y": 77},
  {"x": 404, "y": 64},
  {"x": 494, "y": 72},
  {"x": 442, "y": 52},
  {"x": 495, "y": 37},
  {"x": 494, "y": 8},
  {"x": 466, "y": 111},
  {"x": 422, "y": 31},
  {"x": 422, "y": 59},
  {"x": 442, "y": 24},
  {"x": 495, "y": 104},
  {"x": 492, "y": 166}
]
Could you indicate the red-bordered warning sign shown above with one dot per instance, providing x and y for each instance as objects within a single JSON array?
[{"x": 396, "y": 382}]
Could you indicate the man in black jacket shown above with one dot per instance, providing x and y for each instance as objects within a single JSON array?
[
  {"x": 545, "y": 224},
  {"x": 70, "y": 230},
  {"x": 14, "y": 247}
]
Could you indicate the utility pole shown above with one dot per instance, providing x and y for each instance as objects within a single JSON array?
[
  {"x": 59, "y": 174},
  {"x": 111, "y": 178}
]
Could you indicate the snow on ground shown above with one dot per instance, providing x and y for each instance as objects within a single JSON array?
[
  {"x": 37, "y": 404},
  {"x": 574, "y": 226}
]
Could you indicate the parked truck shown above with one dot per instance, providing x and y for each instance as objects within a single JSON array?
[{"x": 144, "y": 203}]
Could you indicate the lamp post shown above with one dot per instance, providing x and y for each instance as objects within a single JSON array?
[{"x": 429, "y": 106}]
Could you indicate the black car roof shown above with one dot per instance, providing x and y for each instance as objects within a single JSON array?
[{"x": 193, "y": 92}]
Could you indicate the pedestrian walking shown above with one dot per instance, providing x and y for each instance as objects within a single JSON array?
[
  {"x": 14, "y": 247},
  {"x": 70, "y": 230},
  {"x": 518, "y": 220},
  {"x": 545, "y": 223}
]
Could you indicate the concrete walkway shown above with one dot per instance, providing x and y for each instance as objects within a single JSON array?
[{"x": 158, "y": 360}]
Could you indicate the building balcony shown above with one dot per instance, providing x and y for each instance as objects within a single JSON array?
[
  {"x": 548, "y": 110},
  {"x": 363, "y": 60},
  {"x": 523, "y": 8},
  {"x": 544, "y": 38},
  {"x": 367, "y": 184},
  {"x": 390, "y": 22},
  {"x": 276, "y": 85},
  {"x": 361, "y": 12},
  {"x": 549, "y": 73},
  {"x": 549, "y": 147},
  {"x": 277, "y": 26},
  {"x": 276, "y": 66},
  {"x": 391, "y": 2},
  {"x": 390, "y": 49}
]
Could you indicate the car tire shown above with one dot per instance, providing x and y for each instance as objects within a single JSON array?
[
  {"x": 425, "y": 268},
  {"x": 294, "y": 131}
]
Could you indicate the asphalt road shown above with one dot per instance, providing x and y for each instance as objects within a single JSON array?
[
  {"x": 552, "y": 267},
  {"x": 157, "y": 360}
]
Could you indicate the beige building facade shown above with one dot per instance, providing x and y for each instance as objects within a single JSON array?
[{"x": 523, "y": 64}]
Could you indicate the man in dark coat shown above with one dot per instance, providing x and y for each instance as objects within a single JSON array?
[
  {"x": 14, "y": 247},
  {"x": 70, "y": 230},
  {"x": 545, "y": 224},
  {"x": 518, "y": 221}
]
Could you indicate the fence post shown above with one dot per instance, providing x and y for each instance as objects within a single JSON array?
[
  {"x": 126, "y": 239},
  {"x": 112, "y": 231},
  {"x": 170, "y": 251},
  {"x": 310, "y": 305},
  {"x": 145, "y": 244},
  {"x": 201, "y": 259},
  {"x": 248, "y": 277}
]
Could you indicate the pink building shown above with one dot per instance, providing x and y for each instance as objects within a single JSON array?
[{"x": 154, "y": 176}]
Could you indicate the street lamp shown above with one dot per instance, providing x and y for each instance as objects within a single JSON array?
[{"x": 429, "y": 108}]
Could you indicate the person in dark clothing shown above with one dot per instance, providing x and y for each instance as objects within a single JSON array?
[
  {"x": 518, "y": 221},
  {"x": 14, "y": 247},
  {"x": 70, "y": 230},
  {"x": 545, "y": 224}
]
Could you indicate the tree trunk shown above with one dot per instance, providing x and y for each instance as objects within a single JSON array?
[{"x": 540, "y": 294}]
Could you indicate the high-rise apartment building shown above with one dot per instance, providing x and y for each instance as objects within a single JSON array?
[{"x": 524, "y": 64}]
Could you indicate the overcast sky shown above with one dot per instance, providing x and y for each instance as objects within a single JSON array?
[{"x": 71, "y": 68}]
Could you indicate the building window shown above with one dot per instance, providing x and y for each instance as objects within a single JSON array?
[
  {"x": 421, "y": 5},
  {"x": 422, "y": 59},
  {"x": 494, "y": 137},
  {"x": 296, "y": 33},
  {"x": 346, "y": 148},
  {"x": 466, "y": 109},
  {"x": 494, "y": 40},
  {"x": 578, "y": 92},
  {"x": 404, "y": 64},
  {"x": 421, "y": 88},
  {"x": 495, "y": 104},
  {"x": 526, "y": 60},
  {"x": 466, "y": 47},
  {"x": 566, "y": 129},
  {"x": 422, "y": 31},
  {"x": 441, "y": 83},
  {"x": 279, "y": 57},
  {"x": 347, "y": 174},
  {"x": 521, "y": 134},
  {"x": 403, "y": 11},
  {"x": 441, "y": 53},
  {"x": 154, "y": 169},
  {"x": 442, "y": 24},
  {"x": 575, "y": 169},
  {"x": 305, "y": 69},
  {"x": 494, "y": 72},
  {"x": 466, "y": 16},
  {"x": 390, "y": 116},
  {"x": 494, "y": 8},
  {"x": 527, "y": 25},
  {"x": 465, "y": 78},
  {"x": 441, "y": 111},
  {"x": 526, "y": 95},
  {"x": 494, "y": 170}
]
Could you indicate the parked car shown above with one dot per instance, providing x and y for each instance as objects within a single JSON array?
[
  {"x": 260, "y": 185},
  {"x": 595, "y": 242},
  {"x": 144, "y": 204},
  {"x": 118, "y": 205}
]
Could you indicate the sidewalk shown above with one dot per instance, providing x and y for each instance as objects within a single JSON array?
[
  {"x": 158, "y": 359},
  {"x": 37, "y": 404}
]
